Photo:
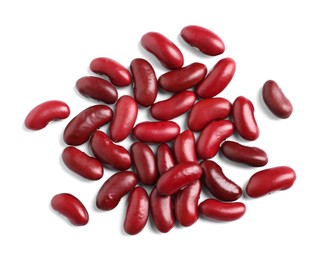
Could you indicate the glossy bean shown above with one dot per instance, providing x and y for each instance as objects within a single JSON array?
[
  {"x": 114, "y": 189},
  {"x": 217, "y": 79},
  {"x": 164, "y": 158},
  {"x": 269, "y": 180},
  {"x": 80, "y": 128},
  {"x": 168, "y": 54},
  {"x": 41, "y": 115},
  {"x": 185, "y": 147},
  {"x": 71, "y": 208}
]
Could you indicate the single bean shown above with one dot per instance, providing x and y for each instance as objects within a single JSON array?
[
  {"x": 185, "y": 148},
  {"x": 164, "y": 158}
]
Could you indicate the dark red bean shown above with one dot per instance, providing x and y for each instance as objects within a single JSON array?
[
  {"x": 203, "y": 39},
  {"x": 108, "y": 153},
  {"x": 71, "y": 208},
  {"x": 244, "y": 119},
  {"x": 145, "y": 163},
  {"x": 98, "y": 89},
  {"x": 173, "y": 107},
  {"x": 82, "y": 164},
  {"x": 124, "y": 119},
  {"x": 185, "y": 148},
  {"x": 164, "y": 158},
  {"x": 162, "y": 212},
  {"x": 211, "y": 138},
  {"x": 275, "y": 100},
  {"x": 218, "y": 184},
  {"x": 222, "y": 211},
  {"x": 186, "y": 204},
  {"x": 156, "y": 132},
  {"x": 46, "y": 112},
  {"x": 80, "y": 128},
  {"x": 210, "y": 109},
  {"x": 114, "y": 189},
  {"x": 178, "y": 177},
  {"x": 117, "y": 73},
  {"x": 137, "y": 211},
  {"x": 269, "y": 180},
  {"x": 217, "y": 79},
  {"x": 183, "y": 78},
  {"x": 145, "y": 82},
  {"x": 249, "y": 155},
  {"x": 168, "y": 54}
]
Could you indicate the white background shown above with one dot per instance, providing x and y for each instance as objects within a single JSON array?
[{"x": 46, "y": 46}]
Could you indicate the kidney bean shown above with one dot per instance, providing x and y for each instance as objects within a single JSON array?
[
  {"x": 124, "y": 119},
  {"x": 82, "y": 164},
  {"x": 178, "y": 177},
  {"x": 108, "y": 153},
  {"x": 117, "y": 73},
  {"x": 184, "y": 147},
  {"x": 173, "y": 107},
  {"x": 145, "y": 163},
  {"x": 98, "y": 89},
  {"x": 244, "y": 119},
  {"x": 183, "y": 78},
  {"x": 269, "y": 180},
  {"x": 218, "y": 184},
  {"x": 137, "y": 211},
  {"x": 237, "y": 152},
  {"x": 71, "y": 208},
  {"x": 211, "y": 109},
  {"x": 114, "y": 189},
  {"x": 164, "y": 158},
  {"x": 145, "y": 82},
  {"x": 186, "y": 204},
  {"x": 168, "y": 54},
  {"x": 275, "y": 100},
  {"x": 80, "y": 128},
  {"x": 217, "y": 79},
  {"x": 211, "y": 138},
  {"x": 203, "y": 39},
  {"x": 42, "y": 114},
  {"x": 222, "y": 211},
  {"x": 162, "y": 213},
  {"x": 156, "y": 132}
]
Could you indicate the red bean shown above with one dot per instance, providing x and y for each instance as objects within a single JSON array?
[
  {"x": 244, "y": 119},
  {"x": 186, "y": 204},
  {"x": 249, "y": 155},
  {"x": 124, "y": 119},
  {"x": 161, "y": 208},
  {"x": 185, "y": 148},
  {"x": 164, "y": 158},
  {"x": 269, "y": 180},
  {"x": 145, "y": 82},
  {"x": 222, "y": 211},
  {"x": 218, "y": 184},
  {"x": 108, "y": 153},
  {"x": 178, "y": 177},
  {"x": 82, "y": 164},
  {"x": 212, "y": 136},
  {"x": 203, "y": 39},
  {"x": 156, "y": 132},
  {"x": 145, "y": 163},
  {"x": 173, "y": 107},
  {"x": 217, "y": 79},
  {"x": 183, "y": 78},
  {"x": 117, "y": 73},
  {"x": 137, "y": 211},
  {"x": 211, "y": 109},
  {"x": 275, "y": 100},
  {"x": 46, "y": 112},
  {"x": 80, "y": 128},
  {"x": 163, "y": 49},
  {"x": 70, "y": 207},
  {"x": 98, "y": 89},
  {"x": 114, "y": 189}
]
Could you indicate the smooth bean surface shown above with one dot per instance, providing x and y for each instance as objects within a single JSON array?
[
  {"x": 185, "y": 147},
  {"x": 165, "y": 158}
]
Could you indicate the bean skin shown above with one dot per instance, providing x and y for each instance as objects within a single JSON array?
[
  {"x": 185, "y": 148},
  {"x": 164, "y": 158}
]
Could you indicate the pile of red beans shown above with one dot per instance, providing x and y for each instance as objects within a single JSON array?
[{"x": 183, "y": 165}]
